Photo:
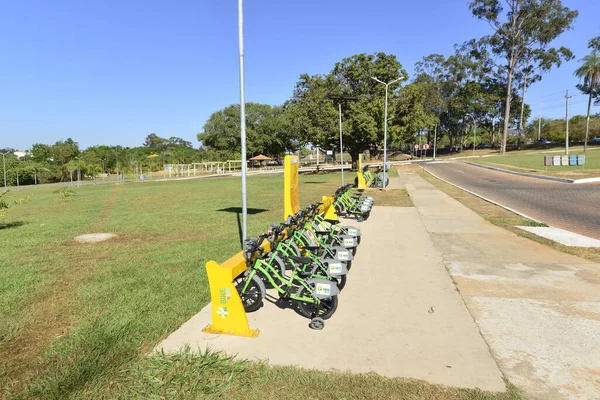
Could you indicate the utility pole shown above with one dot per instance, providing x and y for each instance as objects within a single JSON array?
[
  {"x": 434, "y": 141},
  {"x": 540, "y": 123},
  {"x": 567, "y": 97},
  {"x": 4, "y": 165}
]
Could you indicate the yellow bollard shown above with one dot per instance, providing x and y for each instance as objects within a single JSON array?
[
  {"x": 291, "y": 205},
  {"x": 362, "y": 182},
  {"x": 228, "y": 314},
  {"x": 327, "y": 208}
]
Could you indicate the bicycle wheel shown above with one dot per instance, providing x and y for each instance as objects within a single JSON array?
[
  {"x": 341, "y": 281},
  {"x": 252, "y": 298},
  {"x": 325, "y": 309}
]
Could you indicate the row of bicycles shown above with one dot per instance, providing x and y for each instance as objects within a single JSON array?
[{"x": 306, "y": 259}]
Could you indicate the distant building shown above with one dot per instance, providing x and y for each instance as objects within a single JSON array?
[{"x": 22, "y": 155}]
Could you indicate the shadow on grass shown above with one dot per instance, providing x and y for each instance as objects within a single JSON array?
[
  {"x": 238, "y": 210},
  {"x": 9, "y": 225}
]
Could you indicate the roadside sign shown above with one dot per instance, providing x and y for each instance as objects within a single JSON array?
[
  {"x": 426, "y": 147},
  {"x": 416, "y": 147},
  {"x": 329, "y": 152}
]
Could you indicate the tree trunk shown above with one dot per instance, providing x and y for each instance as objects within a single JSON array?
[
  {"x": 587, "y": 123},
  {"x": 354, "y": 154},
  {"x": 522, "y": 104},
  {"x": 507, "y": 111}
]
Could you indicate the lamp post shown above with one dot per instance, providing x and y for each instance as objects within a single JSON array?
[
  {"x": 385, "y": 124},
  {"x": 4, "y": 165},
  {"x": 340, "y": 99},
  {"x": 103, "y": 169},
  {"x": 474, "y": 131}
]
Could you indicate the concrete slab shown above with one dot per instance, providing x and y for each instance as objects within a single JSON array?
[
  {"x": 399, "y": 316},
  {"x": 537, "y": 308},
  {"x": 562, "y": 236}
]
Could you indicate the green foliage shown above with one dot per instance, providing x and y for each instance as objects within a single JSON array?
[
  {"x": 5, "y": 205},
  {"x": 521, "y": 39},
  {"x": 65, "y": 192},
  {"x": 267, "y": 131},
  {"x": 314, "y": 104}
]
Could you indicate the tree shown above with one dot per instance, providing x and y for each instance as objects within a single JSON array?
[
  {"x": 153, "y": 141},
  {"x": 267, "y": 130},
  {"x": 522, "y": 37},
  {"x": 314, "y": 108},
  {"x": 589, "y": 72}
]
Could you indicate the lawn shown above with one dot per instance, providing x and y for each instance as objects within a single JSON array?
[
  {"x": 78, "y": 319},
  {"x": 533, "y": 161}
]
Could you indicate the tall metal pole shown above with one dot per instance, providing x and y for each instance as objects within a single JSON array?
[
  {"x": 474, "y": 132},
  {"x": 385, "y": 137},
  {"x": 540, "y": 123},
  {"x": 567, "y": 97},
  {"x": 341, "y": 147},
  {"x": 4, "y": 165},
  {"x": 242, "y": 118},
  {"x": 435, "y": 141},
  {"x": 385, "y": 125}
]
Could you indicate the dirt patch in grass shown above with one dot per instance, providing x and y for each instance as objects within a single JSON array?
[
  {"x": 504, "y": 218},
  {"x": 390, "y": 198}
]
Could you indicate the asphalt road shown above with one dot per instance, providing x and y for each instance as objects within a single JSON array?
[{"x": 573, "y": 207}]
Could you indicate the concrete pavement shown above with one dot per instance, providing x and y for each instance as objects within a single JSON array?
[
  {"x": 537, "y": 308},
  {"x": 399, "y": 316},
  {"x": 574, "y": 208}
]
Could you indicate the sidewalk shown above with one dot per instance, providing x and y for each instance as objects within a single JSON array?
[
  {"x": 537, "y": 308},
  {"x": 399, "y": 316}
]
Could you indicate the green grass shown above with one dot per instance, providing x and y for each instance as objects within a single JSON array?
[
  {"x": 533, "y": 161},
  {"x": 77, "y": 319}
]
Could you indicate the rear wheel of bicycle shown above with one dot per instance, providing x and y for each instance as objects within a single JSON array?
[
  {"x": 295, "y": 247},
  {"x": 341, "y": 281},
  {"x": 252, "y": 298},
  {"x": 325, "y": 309}
]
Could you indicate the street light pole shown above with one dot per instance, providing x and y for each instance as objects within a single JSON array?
[
  {"x": 385, "y": 124},
  {"x": 4, "y": 165},
  {"x": 341, "y": 147}
]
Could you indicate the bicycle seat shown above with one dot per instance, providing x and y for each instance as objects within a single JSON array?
[
  {"x": 322, "y": 232},
  {"x": 333, "y": 221},
  {"x": 301, "y": 260},
  {"x": 311, "y": 248}
]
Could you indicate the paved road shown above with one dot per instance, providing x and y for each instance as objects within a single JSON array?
[{"x": 574, "y": 207}]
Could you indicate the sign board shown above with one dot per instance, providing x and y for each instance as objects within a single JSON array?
[
  {"x": 329, "y": 152},
  {"x": 416, "y": 147},
  {"x": 426, "y": 147}
]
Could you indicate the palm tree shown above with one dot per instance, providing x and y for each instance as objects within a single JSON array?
[{"x": 589, "y": 71}]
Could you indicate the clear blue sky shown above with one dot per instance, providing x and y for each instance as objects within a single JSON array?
[{"x": 110, "y": 72}]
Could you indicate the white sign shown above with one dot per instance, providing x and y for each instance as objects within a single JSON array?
[
  {"x": 416, "y": 147},
  {"x": 329, "y": 152},
  {"x": 323, "y": 289},
  {"x": 425, "y": 146},
  {"x": 348, "y": 242},
  {"x": 352, "y": 231},
  {"x": 335, "y": 268},
  {"x": 343, "y": 255}
]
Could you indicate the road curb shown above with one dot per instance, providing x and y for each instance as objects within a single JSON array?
[
  {"x": 549, "y": 178},
  {"x": 486, "y": 199}
]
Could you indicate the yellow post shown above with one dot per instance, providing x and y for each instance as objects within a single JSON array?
[
  {"x": 228, "y": 314},
  {"x": 361, "y": 182},
  {"x": 328, "y": 208},
  {"x": 291, "y": 205}
]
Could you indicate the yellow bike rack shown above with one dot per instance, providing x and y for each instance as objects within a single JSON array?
[
  {"x": 361, "y": 181},
  {"x": 227, "y": 311}
]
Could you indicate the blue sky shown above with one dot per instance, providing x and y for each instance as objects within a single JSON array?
[{"x": 110, "y": 72}]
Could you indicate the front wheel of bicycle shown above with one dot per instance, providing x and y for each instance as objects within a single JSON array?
[
  {"x": 325, "y": 309},
  {"x": 252, "y": 298}
]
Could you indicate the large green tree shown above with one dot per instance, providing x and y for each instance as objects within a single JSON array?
[
  {"x": 523, "y": 32},
  {"x": 315, "y": 104},
  {"x": 589, "y": 73},
  {"x": 267, "y": 130}
]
